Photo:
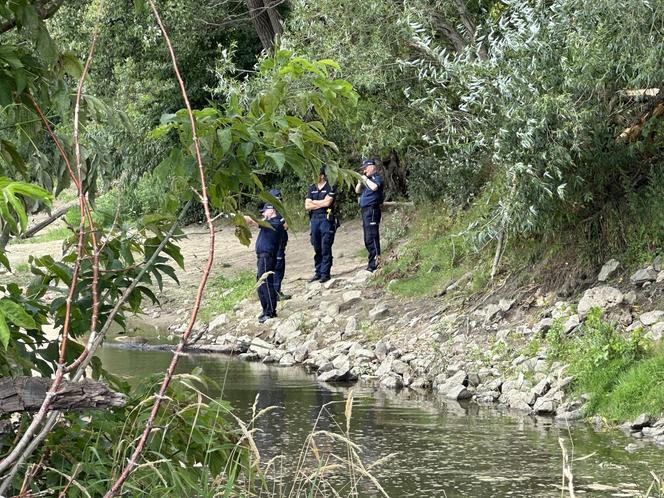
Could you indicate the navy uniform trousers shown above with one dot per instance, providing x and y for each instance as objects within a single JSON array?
[
  {"x": 322, "y": 238},
  {"x": 371, "y": 224},
  {"x": 280, "y": 264},
  {"x": 266, "y": 293}
]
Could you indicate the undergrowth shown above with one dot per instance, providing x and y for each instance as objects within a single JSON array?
[
  {"x": 223, "y": 293},
  {"x": 440, "y": 249},
  {"x": 622, "y": 374}
]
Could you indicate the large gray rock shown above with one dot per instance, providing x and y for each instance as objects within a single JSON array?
[
  {"x": 391, "y": 381},
  {"x": 571, "y": 323},
  {"x": 379, "y": 311},
  {"x": 652, "y": 317},
  {"x": 288, "y": 330},
  {"x": 603, "y": 297},
  {"x": 385, "y": 367},
  {"x": 303, "y": 351},
  {"x": 657, "y": 331},
  {"x": 351, "y": 297},
  {"x": 218, "y": 324},
  {"x": 458, "y": 392},
  {"x": 287, "y": 360},
  {"x": 642, "y": 276},
  {"x": 351, "y": 326},
  {"x": 607, "y": 270},
  {"x": 544, "y": 406},
  {"x": 643, "y": 420},
  {"x": 260, "y": 347}
]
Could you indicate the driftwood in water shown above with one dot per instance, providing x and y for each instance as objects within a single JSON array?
[{"x": 19, "y": 394}]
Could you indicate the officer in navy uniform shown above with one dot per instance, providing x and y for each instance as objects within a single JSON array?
[
  {"x": 267, "y": 245},
  {"x": 371, "y": 190},
  {"x": 319, "y": 203},
  {"x": 280, "y": 265}
]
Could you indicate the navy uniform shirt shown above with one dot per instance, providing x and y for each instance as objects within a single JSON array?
[
  {"x": 316, "y": 194},
  {"x": 284, "y": 235},
  {"x": 269, "y": 239},
  {"x": 369, "y": 197}
]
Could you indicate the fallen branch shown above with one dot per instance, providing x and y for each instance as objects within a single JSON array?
[
  {"x": 20, "y": 394},
  {"x": 32, "y": 231}
]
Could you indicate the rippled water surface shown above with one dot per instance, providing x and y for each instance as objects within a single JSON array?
[{"x": 443, "y": 448}]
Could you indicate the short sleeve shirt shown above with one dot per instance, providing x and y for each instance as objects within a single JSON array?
[
  {"x": 370, "y": 197},
  {"x": 318, "y": 194},
  {"x": 269, "y": 238}
]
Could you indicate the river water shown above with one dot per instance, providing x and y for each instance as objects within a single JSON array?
[{"x": 443, "y": 448}]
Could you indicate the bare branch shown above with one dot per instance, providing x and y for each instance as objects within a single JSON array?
[
  {"x": 206, "y": 273},
  {"x": 45, "y": 10}
]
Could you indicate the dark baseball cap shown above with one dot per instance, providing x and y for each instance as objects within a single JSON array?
[
  {"x": 275, "y": 193},
  {"x": 367, "y": 162},
  {"x": 266, "y": 206}
]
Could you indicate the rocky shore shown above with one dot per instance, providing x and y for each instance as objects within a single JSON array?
[{"x": 347, "y": 329}]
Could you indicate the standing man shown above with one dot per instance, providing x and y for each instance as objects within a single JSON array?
[
  {"x": 280, "y": 265},
  {"x": 371, "y": 187},
  {"x": 267, "y": 244},
  {"x": 319, "y": 203}
]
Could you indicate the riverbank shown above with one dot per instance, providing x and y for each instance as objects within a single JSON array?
[{"x": 501, "y": 348}]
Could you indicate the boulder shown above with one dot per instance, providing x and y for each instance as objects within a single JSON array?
[
  {"x": 379, "y": 311},
  {"x": 421, "y": 383},
  {"x": 351, "y": 326},
  {"x": 303, "y": 351},
  {"x": 543, "y": 326},
  {"x": 391, "y": 381},
  {"x": 657, "y": 331},
  {"x": 385, "y": 367},
  {"x": 643, "y": 420},
  {"x": 351, "y": 297},
  {"x": 218, "y": 323},
  {"x": 491, "y": 311},
  {"x": 652, "y": 317},
  {"x": 287, "y": 360},
  {"x": 603, "y": 297},
  {"x": 544, "y": 406},
  {"x": 458, "y": 392},
  {"x": 288, "y": 329},
  {"x": 505, "y": 305},
  {"x": 607, "y": 270},
  {"x": 643, "y": 276},
  {"x": 571, "y": 323}
]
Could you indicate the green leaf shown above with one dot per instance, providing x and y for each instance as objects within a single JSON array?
[
  {"x": 16, "y": 314},
  {"x": 278, "y": 159},
  {"x": 71, "y": 65},
  {"x": 225, "y": 137},
  {"x": 5, "y": 335},
  {"x": 4, "y": 261}
]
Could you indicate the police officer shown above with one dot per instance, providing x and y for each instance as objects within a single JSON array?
[
  {"x": 267, "y": 244},
  {"x": 280, "y": 265},
  {"x": 319, "y": 203},
  {"x": 371, "y": 190}
]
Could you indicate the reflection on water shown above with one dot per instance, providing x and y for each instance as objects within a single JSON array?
[{"x": 444, "y": 448}]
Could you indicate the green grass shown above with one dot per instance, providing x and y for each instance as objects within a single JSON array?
[
  {"x": 59, "y": 233},
  {"x": 624, "y": 375},
  {"x": 223, "y": 293},
  {"x": 439, "y": 250}
]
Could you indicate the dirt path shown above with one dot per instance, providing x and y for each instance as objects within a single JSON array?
[{"x": 231, "y": 258}]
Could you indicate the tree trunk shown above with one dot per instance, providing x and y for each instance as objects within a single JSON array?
[
  {"x": 20, "y": 394},
  {"x": 275, "y": 17},
  {"x": 260, "y": 16}
]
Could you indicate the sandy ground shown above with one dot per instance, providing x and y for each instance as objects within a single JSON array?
[{"x": 230, "y": 257}]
